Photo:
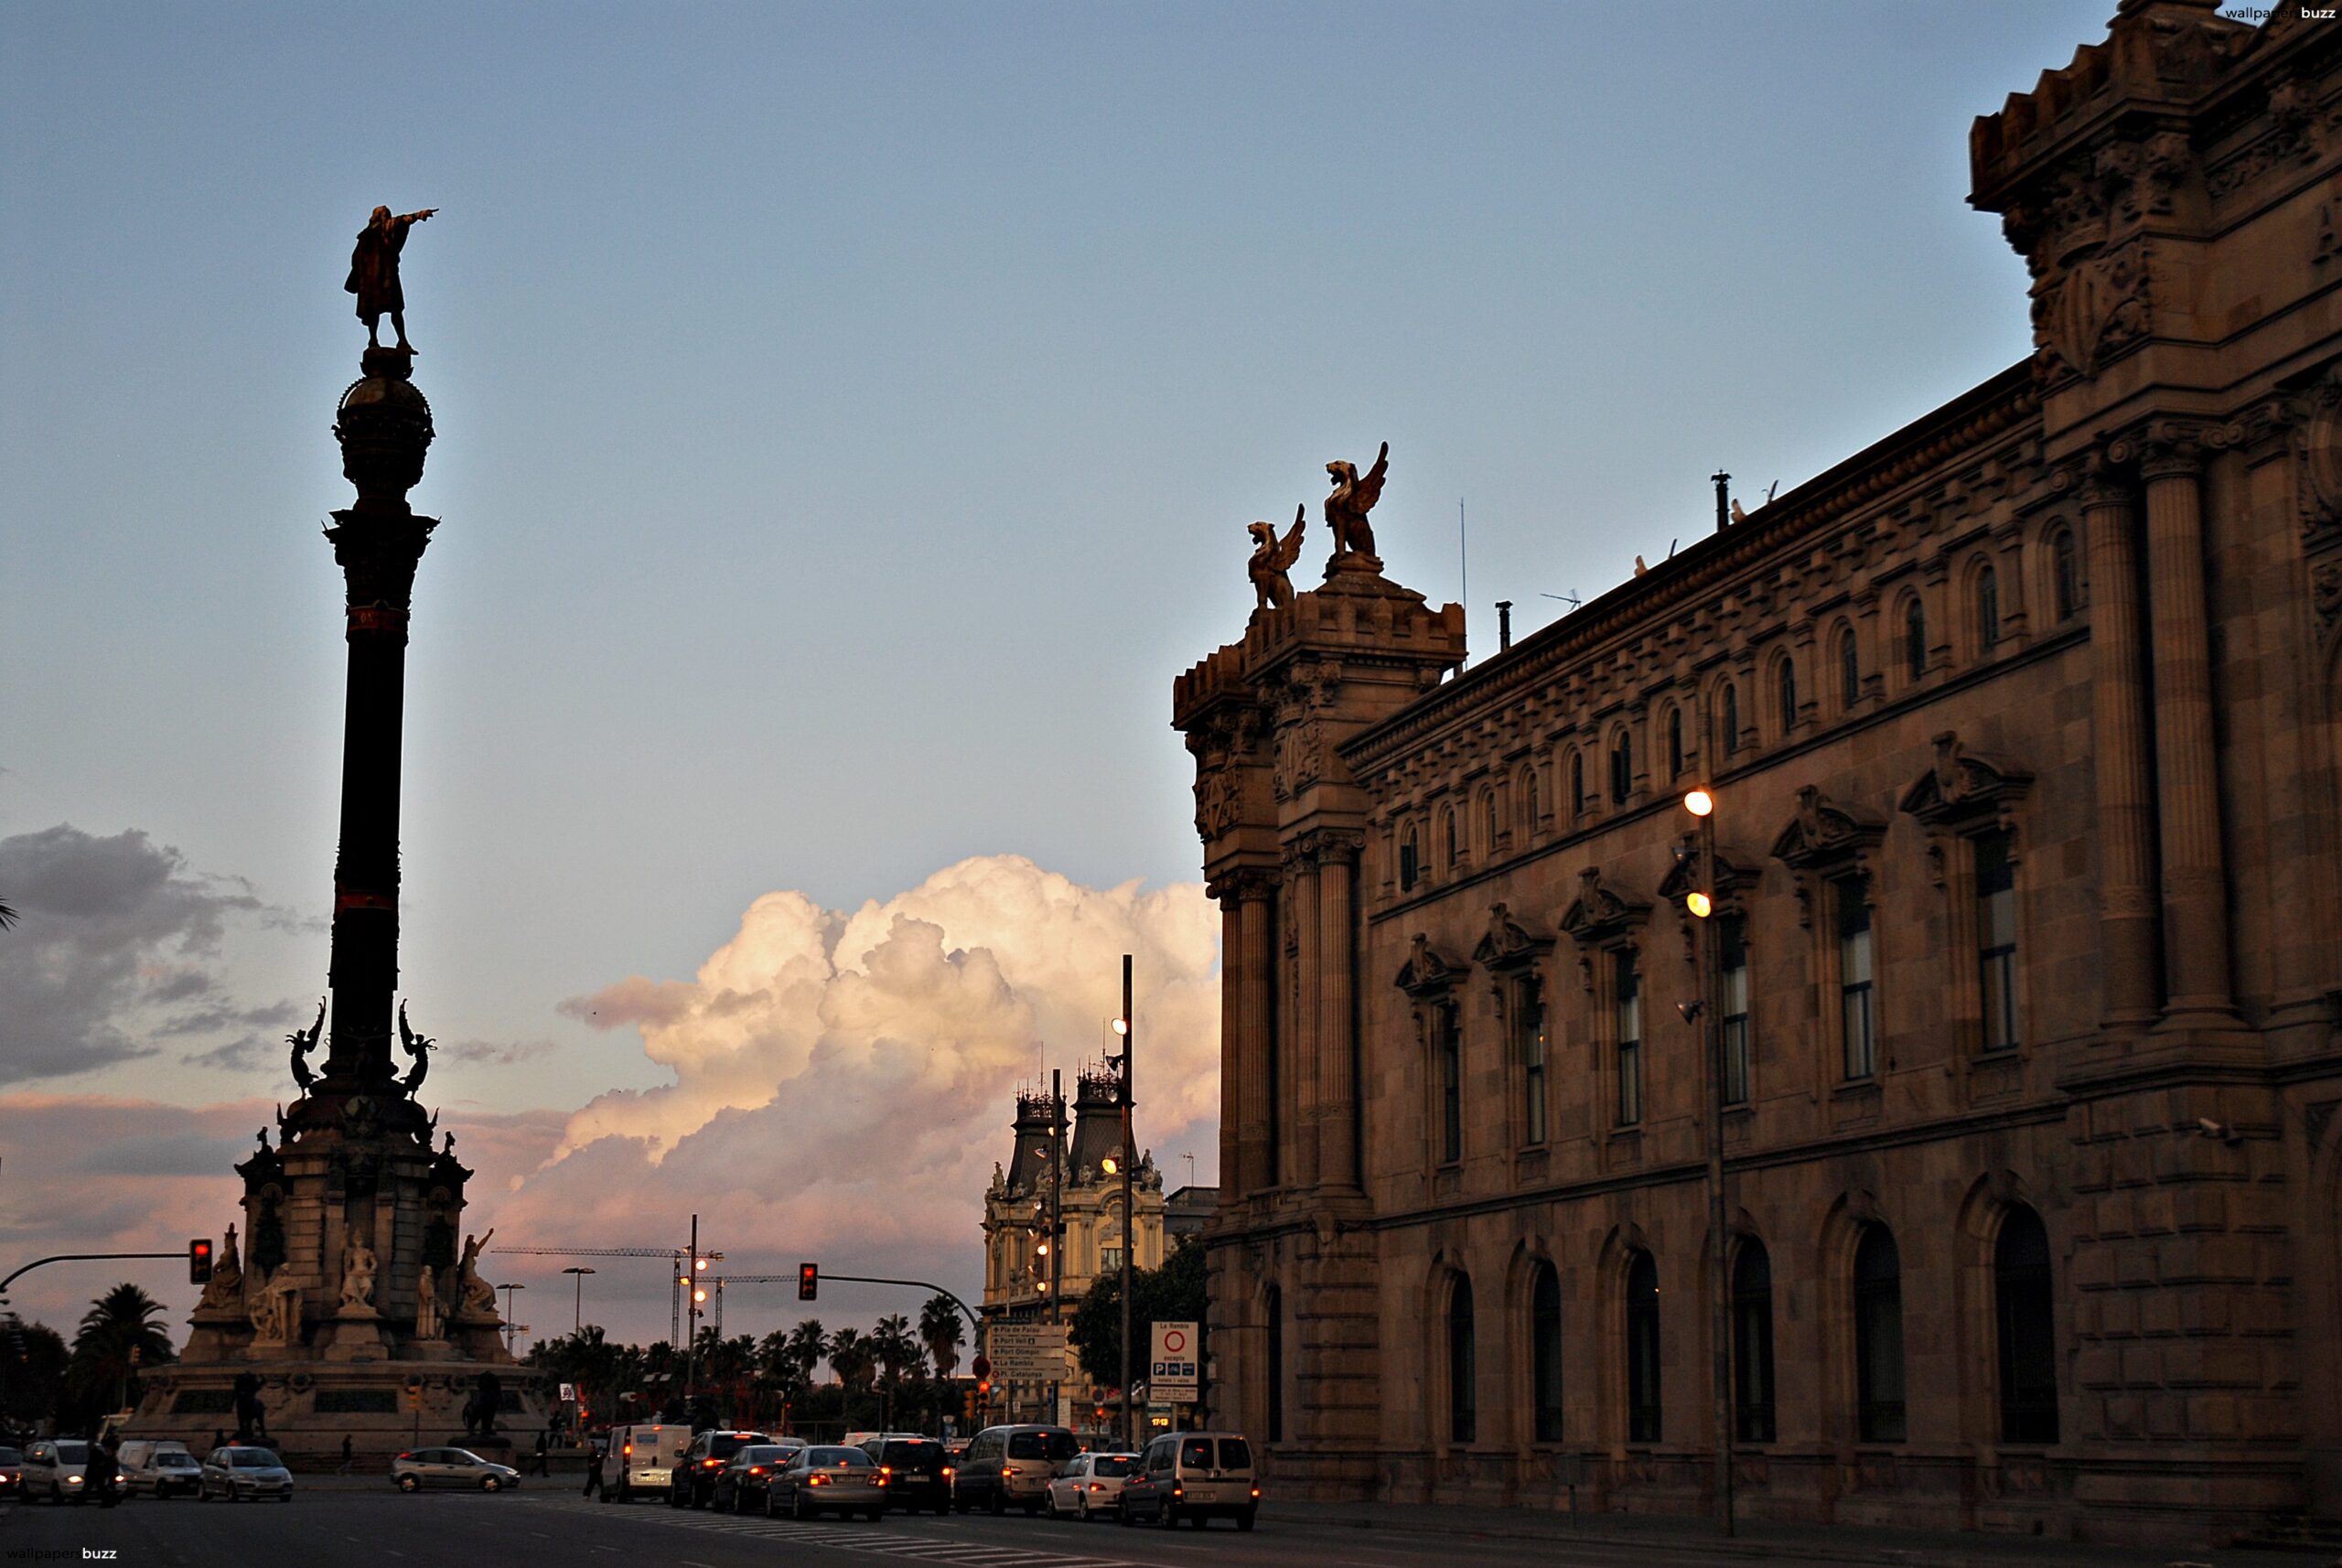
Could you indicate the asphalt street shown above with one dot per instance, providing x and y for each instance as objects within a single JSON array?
[{"x": 549, "y": 1522}]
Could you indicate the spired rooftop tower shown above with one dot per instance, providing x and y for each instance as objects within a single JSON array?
[{"x": 349, "y": 1308}]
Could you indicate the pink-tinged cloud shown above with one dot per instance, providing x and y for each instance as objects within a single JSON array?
[{"x": 844, "y": 1082}]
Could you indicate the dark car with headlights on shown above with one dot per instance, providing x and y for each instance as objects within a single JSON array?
[
  {"x": 12, "y": 1474},
  {"x": 918, "y": 1473},
  {"x": 692, "y": 1486},
  {"x": 740, "y": 1486},
  {"x": 827, "y": 1480}
]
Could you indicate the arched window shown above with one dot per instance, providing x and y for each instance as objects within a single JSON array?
[
  {"x": 1528, "y": 801},
  {"x": 1850, "y": 668},
  {"x": 1878, "y": 1338},
  {"x": 1915, "y": 638},
  {"x": 1448, "y": 1045},
  {"x": 1642, "y": 1350},
  {"x": 1622, "y": 766},
  {"x": 1578, "y": 784},
  {"x": 1463, "y": 1398},
  {"x": 1275, "y": 1365},
  {"x": 1545, "y": 1354},
  {"x": 1728, "y": 708},
  {"x": 1752, "y": 1343},
  {"x": 1488, "y": 819},
  {"x": 1988, "y": 609},
  {"x": 1411, "y": 858},
  {"x": 2065, "y": 582},
  {"x": 1447, "y": 826},
  {"x": 1675, "y": 742},
  {"x": 2022, "y": 1290},
  {"x": 1789, "y": 695}
]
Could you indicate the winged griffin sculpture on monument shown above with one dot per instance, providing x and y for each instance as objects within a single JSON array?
[
  {"x": 1271, "y": 556},
  {"x": 1346, "y": 510}
]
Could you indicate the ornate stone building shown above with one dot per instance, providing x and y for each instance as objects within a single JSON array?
[
  {"x": 1016, "y": 1208},
  {"x": 2023, "y": 726}
]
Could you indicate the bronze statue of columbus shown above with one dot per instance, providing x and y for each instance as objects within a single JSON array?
[{"x": 374, "y": 273}]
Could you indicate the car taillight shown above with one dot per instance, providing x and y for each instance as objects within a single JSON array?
[
  {"x": 755, "y": 1469},
  {"x": 817, "y": 1480},
  {"x": 947, "y": 1470},
  {"x": 406, "y": 1455},
  {"x": 629, "y": 1449},
  {"x": 1178, "y": 1491},
  {"x": 1256, "y": 1491},
  {"x": 886, "y": 1469}
]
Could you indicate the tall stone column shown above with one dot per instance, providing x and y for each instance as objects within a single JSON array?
[
  {"x": 1255, "y": 1032},
  {"x": 2195, "y": 883},
  {"x": 2129, "y": 930},
  {"x": 384, "y": 426},
  {"x": 1233, "y": 1046},
  {"x": 1336, "y": 855},
  {"x": 1300, "y": 1135}
]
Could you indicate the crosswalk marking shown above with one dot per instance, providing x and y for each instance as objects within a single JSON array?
[{"x": 874, "y": 1540}]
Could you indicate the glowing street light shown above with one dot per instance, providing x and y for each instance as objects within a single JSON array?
[{"x": 1699, "y": 802}]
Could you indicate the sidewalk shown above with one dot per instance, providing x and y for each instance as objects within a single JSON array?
[{"x": 1806, "y": 1542}]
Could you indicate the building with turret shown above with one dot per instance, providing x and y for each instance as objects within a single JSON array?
[
  {"x": 1018, "y": 1279},
  {"x": 2024, "y": 732}
]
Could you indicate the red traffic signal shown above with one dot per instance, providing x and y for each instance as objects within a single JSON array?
[
  {"x": 809, "y": 1281},
  {"x": 199, "y": 1261}
]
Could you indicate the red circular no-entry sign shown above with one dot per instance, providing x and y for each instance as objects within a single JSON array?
[{"x": 1174, "y": 1341}]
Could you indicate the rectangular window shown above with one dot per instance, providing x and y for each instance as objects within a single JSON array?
[
  {"x": 1996, "y": 939},
  {"x": 1856, "y": 1003},
  {"x": 1630, "y": 1004},
  {"x": 1731, "y": 943},
  {"x": 1531, "y": 1012},
  {"x": 1110, "y": 1259},
  {"x": 1451, "y": 1086}
]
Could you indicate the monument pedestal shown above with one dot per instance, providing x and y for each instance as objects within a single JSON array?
[{"x": 356, "y": 1335}]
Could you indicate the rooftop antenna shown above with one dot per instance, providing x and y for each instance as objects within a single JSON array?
[{"x": 1568, "y": 598}]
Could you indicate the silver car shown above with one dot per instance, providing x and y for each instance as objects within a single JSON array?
[
  {"x": 421, "y": 1468},
  {"x": 240, "y": 1472},
  {"x": 827, "y": 1480}
]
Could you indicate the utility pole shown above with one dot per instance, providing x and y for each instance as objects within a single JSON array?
[
  {"x": 1126, "y": 1026},
  {"x": 691, "y": 1317},
  {"x": 1056, "y": 1221},
  {"x": 1701, "y": 803}
]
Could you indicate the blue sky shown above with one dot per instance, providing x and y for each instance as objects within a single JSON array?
[{"x": 849, "y": 415}]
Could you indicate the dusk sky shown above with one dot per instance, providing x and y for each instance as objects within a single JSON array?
[{"x": 848, "y": 418}]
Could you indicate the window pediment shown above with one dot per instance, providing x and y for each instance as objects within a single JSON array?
[
  {"x": 1508, "y": 946},
  {"x": 1426, "y": 974},
  {"x": 1824, "y": 833},
  {"x": 1599, "y": 916},
  {"x": 1964, "y": 789}
]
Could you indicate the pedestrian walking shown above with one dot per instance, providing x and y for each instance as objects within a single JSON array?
[
  {"x": 345, "y": 1454},
  {"x": 544, "y": 1446},
  {"x": 594, "y": 1469}
]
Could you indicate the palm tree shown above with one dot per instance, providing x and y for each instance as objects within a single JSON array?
[
  {"x": 808, "y": 1343},
  {"x": 939, "y": 1325},
  {"x": 119, "y": 1334},
  {"x": 7, "y": 913},
  {"x": 852, "y": 1359}
]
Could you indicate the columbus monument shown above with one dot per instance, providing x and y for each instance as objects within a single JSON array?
[{"x": 353, "y": 1303}]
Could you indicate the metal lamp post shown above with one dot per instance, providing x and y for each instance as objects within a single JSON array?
[
  {"x": 577, "y": 1312},
  {"x": 1701, "y": 901},
  {"x": 509, "y": 1327},
  {"x": 1124, "y": 1027}
]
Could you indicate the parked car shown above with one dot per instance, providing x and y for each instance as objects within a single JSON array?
[
  {"x": 1091, "y": 1484},
  {"x": 831, "y": 1479},
  {"x": 53, "y": 1468},
  {"x": 12, "y": 1474},
  {"x": 918, "y": 1475},
  {"x": 691, "y": 1484},
  {"x": 1192, "y": 1475},
  {"x": 642, "y": 1461},
  {"x": 160, "y": 1467},
  {"x": 420, "y": 1467},
  {"x": 741, "y": 1485},
  {"x": 240, "y": 1471},
  {"x": 1012, "y": 1465}
]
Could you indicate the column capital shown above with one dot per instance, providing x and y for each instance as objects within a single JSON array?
[
  {"x": 1243, "y": 884},
  {"x": 2172, "y": 449},
  {"x": 2101, "y": 476},
  {"x": 1329, "y": 846}
]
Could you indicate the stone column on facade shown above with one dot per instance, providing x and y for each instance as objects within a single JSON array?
[
  {"x": 1233, "y": 1046},
  {"x": 2129, "y": 922},
  {"x": 1299, "y": 1135},
  {"x": 1255, "y": 1024},
  {"x": 2196, "y": 924},
  {"x": 1337, "y": 854}
]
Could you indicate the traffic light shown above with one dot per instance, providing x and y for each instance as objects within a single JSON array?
[
  {"x": 414, "y": 1393},
  {"x": 199, "y": 1261},
  {"x": 809, "y": 1281}
]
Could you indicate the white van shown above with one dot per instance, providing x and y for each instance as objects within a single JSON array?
[{"x": 641, "y": 1461}]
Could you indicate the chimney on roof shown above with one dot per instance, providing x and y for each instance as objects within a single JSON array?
[
  {"x": 1504, "y": 624},
  {"x": 1722, "y": 482}
]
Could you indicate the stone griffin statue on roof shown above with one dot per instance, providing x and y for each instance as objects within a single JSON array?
[
  {"x": 1271, "y": 558},
  {"x": 1353, "y": 498}
]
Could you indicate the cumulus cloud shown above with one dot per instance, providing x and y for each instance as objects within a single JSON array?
[
  {"x": 844, "y": 1080},
  {"x": 113, "y": 950}
]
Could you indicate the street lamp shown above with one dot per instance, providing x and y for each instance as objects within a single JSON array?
[
  {"x": 1701, "y": 901},
  {"x": 507, "y": 1291},
  {"x": 577, "y": 1318},
  {"x": 1130, "y": 1229}
]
